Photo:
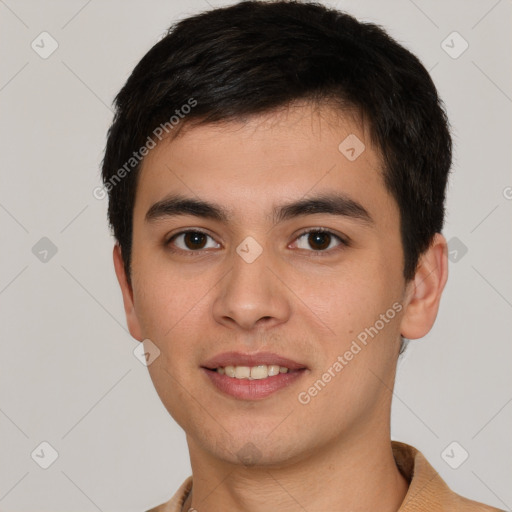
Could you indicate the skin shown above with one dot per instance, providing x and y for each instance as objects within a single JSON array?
[{"x": 333, "y": 453}]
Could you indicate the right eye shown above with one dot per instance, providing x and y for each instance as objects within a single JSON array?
[{"x": 191, "y": 241}]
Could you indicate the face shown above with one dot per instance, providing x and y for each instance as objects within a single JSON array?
[{"x": 245, "y": 274}]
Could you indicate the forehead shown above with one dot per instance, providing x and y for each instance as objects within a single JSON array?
[{"x": 252, "y": 164}]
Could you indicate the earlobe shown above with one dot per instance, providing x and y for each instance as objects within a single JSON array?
[
  {"x": 425, "y": 290},
  {"x": 127, "y": 291}
]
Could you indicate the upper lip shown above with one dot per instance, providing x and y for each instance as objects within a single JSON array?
[{"x": 259, "y": 358}]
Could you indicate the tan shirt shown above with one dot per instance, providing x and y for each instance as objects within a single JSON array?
[{"x": 427, "y": 491}]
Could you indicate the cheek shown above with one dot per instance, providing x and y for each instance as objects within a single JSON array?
[
  {"x": 165, "y": 296},
  {"x": 348, "y": 297},
  {"x": 357, "y": 312},
  {"x": 174, "y": 310}
]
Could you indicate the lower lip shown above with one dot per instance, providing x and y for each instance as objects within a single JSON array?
[{"x": 256, "y": 389}]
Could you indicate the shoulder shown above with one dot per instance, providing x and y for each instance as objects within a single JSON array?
[
  {"x": 427, "y": 490},
  {"x": 177, "y": 500}
]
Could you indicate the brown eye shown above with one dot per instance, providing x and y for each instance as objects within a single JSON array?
[
  {"x": 319, "y": 240},
  {"x": 192, "y": 241}
]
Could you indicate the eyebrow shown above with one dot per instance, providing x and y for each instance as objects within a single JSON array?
[{"x": 328, "y": 203}]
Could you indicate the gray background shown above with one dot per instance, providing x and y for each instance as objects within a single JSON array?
[{"x": 68, "y": 374}]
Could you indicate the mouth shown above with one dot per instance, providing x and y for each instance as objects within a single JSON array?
[
  {"x": 252, "y": 376},
  {"x": 240, "y": 359},
  {"x": 257, "y": 372}
]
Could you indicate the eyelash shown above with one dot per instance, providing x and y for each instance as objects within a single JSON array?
[{"x": 343, "y": 242}]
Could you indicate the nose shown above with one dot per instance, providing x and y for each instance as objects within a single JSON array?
[{"x": 250, "y": 296}]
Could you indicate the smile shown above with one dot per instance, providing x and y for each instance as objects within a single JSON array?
[
  {"x": 247, "y": 387},
  {"x": 261, "y": 371}
]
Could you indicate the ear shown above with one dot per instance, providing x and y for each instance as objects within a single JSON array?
[
  {"x": 126, "y": 289},
  {"x": 424, "y": 291}
]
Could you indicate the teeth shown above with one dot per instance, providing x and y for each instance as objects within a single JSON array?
[
  {"x": 242, "y": 372},
  {"x": 261, "y": 371},
  {"x": 229, "y": 370}
]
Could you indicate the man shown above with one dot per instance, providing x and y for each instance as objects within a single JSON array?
[{"x": 276, "y": 176}]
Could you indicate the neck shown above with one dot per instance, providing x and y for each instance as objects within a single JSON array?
[{"x": 347, "y": 476}]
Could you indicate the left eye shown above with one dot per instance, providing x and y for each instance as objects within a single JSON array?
[{"x": 320, "y": 240}]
